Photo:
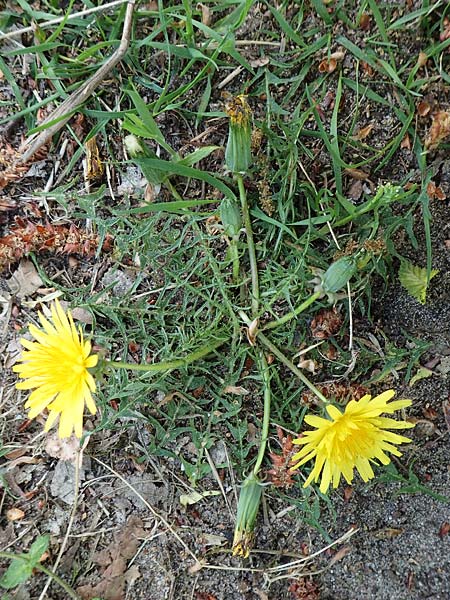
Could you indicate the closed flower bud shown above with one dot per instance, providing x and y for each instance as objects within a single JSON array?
[
  {"x": 248, "y": 507},
  {"x": 139, "y": 152},
  {"x": 238, "y": 155},
  {"x": 338, "y": 275},
  {"x": 230, "y": 215}
]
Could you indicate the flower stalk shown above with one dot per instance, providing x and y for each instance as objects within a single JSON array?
[{"x": 168, "y": 364}]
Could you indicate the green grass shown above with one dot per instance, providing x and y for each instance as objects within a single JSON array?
[{"x": 182, "y": 293}]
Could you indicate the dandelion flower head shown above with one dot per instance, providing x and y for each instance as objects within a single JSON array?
[
  {"x": 351, "y": 439},
  {"x": 55, "y": 366}
]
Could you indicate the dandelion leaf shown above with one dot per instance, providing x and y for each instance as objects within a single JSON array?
[{"x": 414, "y": 280}]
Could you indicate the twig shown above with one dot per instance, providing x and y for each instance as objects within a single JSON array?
[
  {"x": 65, "y": 110},
  {"x": 47, "y": 24}
]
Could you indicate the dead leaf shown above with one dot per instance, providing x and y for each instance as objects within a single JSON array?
[
  {"x": 422, "y": 59},
  {"x": 364, "y": 22},
  {"x": 196, "y": 567},
  {"x": 445, "y": 33},
  {"x": 236, "y": 390},
  {"x": 94, "y": 165},
  {"x": 63, "y": 449},
  {"x": 82, "y": 315},
  {"x": 340, "y": 554},
  {"x": 435, "y": 192},
  {"x": 444, "y": 530},
  {"x": 194, "y": 497},
  {"x": 115, "y": 576},
  {"x": 357, "y": 174},
  {"x": 439, "y": 130},
  {"x": 326, "y": 323},
  {"x": 25, "y": 281},
  {"x": 423, "y": 108},
  {"x": 308, "y": 365},
  {"x": 363, "y": 133},
  {"x": 206, "y": 14},
  {"x": 387, "y": 533},
  {"x": 259, "y": 62},
  {"x": 327, "y": 65},
  {"x": 14, "y": 514},
  {"x": 356, "y": 190},
  {"x": 406, "y": 142},
  {"x": 446, "y": 411},
  {"x": 252, "y": 331}
]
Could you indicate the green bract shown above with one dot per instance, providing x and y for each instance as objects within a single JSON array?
[{"x": 338, "y": 274}]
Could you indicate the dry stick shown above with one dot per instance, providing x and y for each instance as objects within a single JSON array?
[
  {"x": 65, "y": 110},
  {"x": 46, "y": 24}
]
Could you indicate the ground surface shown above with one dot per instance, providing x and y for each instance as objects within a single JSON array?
[{"x": 156, "y": 440}]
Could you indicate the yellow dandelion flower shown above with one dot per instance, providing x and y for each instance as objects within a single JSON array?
[
  {"x": 352, "y": 439},
  {"x": 56, "y": 367}
]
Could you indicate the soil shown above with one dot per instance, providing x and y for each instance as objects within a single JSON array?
[{"x": 120, "y": 548}]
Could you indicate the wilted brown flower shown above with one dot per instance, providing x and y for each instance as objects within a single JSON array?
[
  {"x": 326, "y": 323},
  {"x": 280, "y": 475}
]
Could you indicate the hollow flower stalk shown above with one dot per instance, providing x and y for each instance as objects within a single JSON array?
[
  {"x": 56, "y": 367},
  {"x": 349, "y": 440}
]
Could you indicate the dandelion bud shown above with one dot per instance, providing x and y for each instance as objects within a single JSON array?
[
  {"x": 139, "y": 152},
  {"x": 230, "y": 215},
  {"x": 248, "y": 507},
  {"x": 338, "y": 274},
  {"x": 238, "y": 155}
]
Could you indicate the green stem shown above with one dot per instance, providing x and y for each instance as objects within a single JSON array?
[
  {"x": 250, "y": 245},
  {"x": 294, "y": 313},
  {"x": 234, "y": 252},
  {"x": 66, "y": 587},
  {"x": 170, "y": 364},
  {"x": 266, "y": 416},
  {"x": 285, "y": 361},
  {"x": 172, "y": 190}
]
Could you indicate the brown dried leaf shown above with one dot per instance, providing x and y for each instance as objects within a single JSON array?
[
  {"x": 446, "y": 411},
  {"x": 439, "y": 130},
  {"x": 206, "y": 14},
  {"x": 445, "y": 33},
  {"x": 435, "y": 192},
  {"x": 367, "y": 69},
  {"x": 25, "y": 281},
  {"x": 307, "y": 364},
  {"x": 115, "y": 576},
  {"x": 252, "y": 331},
  {"x": 363, "y": 133},
  {"x": 422, "y": 59},
  {"x": 444, "y": 530},
  {"x": 356, "y": 190},
  {"x": 423, "y": 108},
  {"x": 326, "y": 323},
  {"x": 406, "y": 142},
  {"x": 236, "y": 390},
  {"x": 14, "y": 514},
  {"x": 94, "y": 164},
  {"x": 327, "y": 65},
  {"x": 63, "y": 449},
  {"x": 364, "y": 22},
  {"x": 357, "y": 174}
]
